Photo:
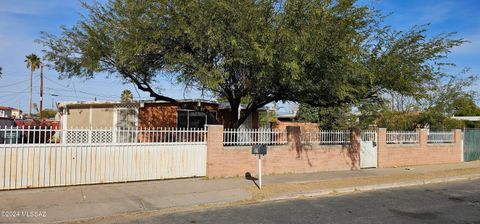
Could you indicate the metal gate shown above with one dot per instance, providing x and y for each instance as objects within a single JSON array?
[
  {"x": 368, "y": 149},
  {"x": 471, "y": 144}
]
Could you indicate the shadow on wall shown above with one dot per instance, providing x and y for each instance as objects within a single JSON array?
[{"x": 352, "y": 150}]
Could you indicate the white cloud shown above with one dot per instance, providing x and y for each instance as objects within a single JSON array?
[{"x": 471, "y": 48}]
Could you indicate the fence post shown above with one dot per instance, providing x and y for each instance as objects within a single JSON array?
[
  {"x": 214, "y": 147},
  {"x": 381, "y": 146},
  {"x": 355, "y": 138},
  {"x": 293, "y": 138},
  {"x": 458, "y": 141},
  {"x": 423, "y": 138}
]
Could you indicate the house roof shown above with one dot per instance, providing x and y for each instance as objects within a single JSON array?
[
  {"x": 287, "y": 116},
  {"x": 226, "y": 106},
  {"x": 8, "y": 108},
  {"x": 222, "y": 105},
  {"x": 86, "y": 103},
  {"x": 467, "y": 118}
]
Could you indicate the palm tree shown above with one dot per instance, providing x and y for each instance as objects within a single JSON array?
[{"x": 33, "y": 62}]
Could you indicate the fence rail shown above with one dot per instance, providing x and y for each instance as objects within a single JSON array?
[
  {"x": 326, "y": 137},
  {"x": 232, "y": 137},
  {"x": 35, "y": 135},
  {"x": 402, "y": 137},
  {"x": 440, "y": 137}
]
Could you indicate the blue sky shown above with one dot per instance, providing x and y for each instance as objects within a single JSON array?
[{"x": 22, "y": 21}]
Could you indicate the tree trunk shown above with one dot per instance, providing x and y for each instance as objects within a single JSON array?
[
  {"x": 234, "y": 110},
  {"x": 31, "y": 89},
  {"x": 41, "y": 91}
]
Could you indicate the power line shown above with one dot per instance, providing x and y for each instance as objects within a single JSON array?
[
  {"x": 15, "y": 83},
  {"x": 82, "y": 92}
]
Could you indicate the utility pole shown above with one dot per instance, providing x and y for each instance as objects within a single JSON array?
[{"x": 41, "y": 91}]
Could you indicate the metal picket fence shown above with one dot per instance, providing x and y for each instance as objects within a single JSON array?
[
  {"x": 41, "y": 135},
  {"x": 403, "y": 137},
  {"x": 326, "y": 137},
  {"x": 435, "y": 137},
  {"x": 232, "y": 137}
]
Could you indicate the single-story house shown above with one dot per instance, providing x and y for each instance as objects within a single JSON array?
[
  {"x": 146, "y": 114},
  {"x": 10, "y": 112},
  {"x": 285, "y": 120}
]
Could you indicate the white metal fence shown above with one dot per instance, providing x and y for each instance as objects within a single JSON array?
[
  {"x": 34, "y": 135},
  {"x": 326, "y": 137},
  {"x": 232, "y": 137},
  {"x": 369, "y": 135},
  {"x": 440, "y": 137},
  {"x": 403, "y": 137},
  {"x": 36, "y": 158}
]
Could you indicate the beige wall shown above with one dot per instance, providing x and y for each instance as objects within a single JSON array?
[
  {"x": 80, "y": 118},
  {"x": 102, "y": 117}
]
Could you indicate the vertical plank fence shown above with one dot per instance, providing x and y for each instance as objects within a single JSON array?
[{"x": 39, "y": 162}]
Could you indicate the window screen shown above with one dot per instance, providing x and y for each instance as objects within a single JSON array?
[
  {"x": 126, "y": 118},
  {"x": 182, "y": 119}
]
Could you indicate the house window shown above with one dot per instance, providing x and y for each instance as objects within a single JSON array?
[
  {"x": 126, "y": 118},
  {"x": 195, "y": 119}
]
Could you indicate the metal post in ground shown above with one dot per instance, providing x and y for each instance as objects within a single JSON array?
[{"x": 260, "y": 171}]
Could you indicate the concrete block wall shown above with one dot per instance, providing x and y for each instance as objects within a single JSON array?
[
  {"x": 227, "y": 161},
  {"x": 423, "y": 153}
]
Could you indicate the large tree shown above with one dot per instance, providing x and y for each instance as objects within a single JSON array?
[
  {"x": 322, "y": 53},
  {"x": 33, "y": 63}
]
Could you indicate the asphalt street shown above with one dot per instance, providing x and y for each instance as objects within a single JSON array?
[{"x": 455, "y": 202}]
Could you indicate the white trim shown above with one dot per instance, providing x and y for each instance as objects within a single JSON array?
[
  {"x": 467, "y": 118},
  {"x": 90, "y": 117}
]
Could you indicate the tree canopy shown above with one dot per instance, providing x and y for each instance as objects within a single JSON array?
[
  {"x": 321, "y": 53},
  {"x": 126, "y": 96}
]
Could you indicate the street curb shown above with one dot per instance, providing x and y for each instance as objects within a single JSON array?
[
  {"x": 363, "y": 188},
  {"x": 290, "y": 196}
]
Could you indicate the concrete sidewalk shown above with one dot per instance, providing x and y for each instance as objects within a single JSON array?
[{"x": 95, "y": 203}]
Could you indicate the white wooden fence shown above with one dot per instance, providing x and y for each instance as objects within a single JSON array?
[{"x": 46, "y": 164}]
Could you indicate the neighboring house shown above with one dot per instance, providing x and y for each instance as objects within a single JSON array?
[
  {"x": 10, "y": 112},
  {"x": 467, "y": 118},
  {"x": 291, "y": 120},
  {"x": 7, "y": 122},
  {"x": 146, "y": 114}
]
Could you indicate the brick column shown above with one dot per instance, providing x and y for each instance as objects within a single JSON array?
[
  {"x": 214, "y": 145},
  {"x": 423, "y": 138},
  {"x": 293, "y": 138},
  {"x": 354, "y": 151},
  {"x": 457, "y": 136},
  {"x": 457, "y": 139},
  {"x": 381, "y": 146}
]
